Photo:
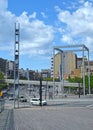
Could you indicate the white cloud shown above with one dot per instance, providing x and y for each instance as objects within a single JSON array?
[
  {"x": 36, "y": 36},
  {"x": 43, "y": 14},
  {"x": 7, "y": 20},
  {"x": 78, "y": 24},
  {"x": 81, "y": 1},
  {"x": 67, "y": 39},
  {"x": 3, "y": 5},
  {"x": 33, "y": 15}
]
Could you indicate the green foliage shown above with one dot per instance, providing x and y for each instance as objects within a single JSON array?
[
  {"x": 51, "y": 79},
  {"x": 1, "y": 76},
  {"x": 75, "y": 80},
  {"x": 23, "y": 78},
  {"x": 2, "y": 82},
  {"x": 57, "y": 79},
  {"x": 91, "y": 81},
  {"x": 48, "y": 79}
]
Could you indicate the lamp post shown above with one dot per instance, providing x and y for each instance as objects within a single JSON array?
[
  {"x": 46, "y": 85},
  {"x": 40, "y": 90},
  {"x": 79, "y": 89}
]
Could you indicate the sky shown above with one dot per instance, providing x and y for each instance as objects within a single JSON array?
[{"x": 43, "y": 25}]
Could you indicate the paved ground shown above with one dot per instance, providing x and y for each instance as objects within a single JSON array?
[
  {"x": 54, "y": 118},
  {"x": 63, "y": 114},
  {"x": 6, "y": 120}
]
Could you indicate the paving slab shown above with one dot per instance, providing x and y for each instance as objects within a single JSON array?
[
  {"x": 53, "y": 118},
  {"x": 6, "y": 119}
]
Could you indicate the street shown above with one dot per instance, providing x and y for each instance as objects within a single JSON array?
[{"x": 61, "y": 102}]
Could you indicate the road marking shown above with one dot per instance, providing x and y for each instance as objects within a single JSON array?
[{"x": 90, "y": 105}]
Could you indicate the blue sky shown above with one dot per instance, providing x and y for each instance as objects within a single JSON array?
[{"x": 44, "y": 24}]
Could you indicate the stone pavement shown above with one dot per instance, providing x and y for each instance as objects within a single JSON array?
[
  {"x": 48, "y": 118},
  {"x": 6, "y": 119},
  {"x": 53, "y": 118}
]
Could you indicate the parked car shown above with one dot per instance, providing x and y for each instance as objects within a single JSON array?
[
  {"x": 11, "y": 98},
  {"x": 22, "y": 99},
  {"x": 36, "y": 101}
]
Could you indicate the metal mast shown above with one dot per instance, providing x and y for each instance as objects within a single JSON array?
[
  {"x": 61, "y": 70},
  {"x": 82, "y": 48},
  {"x": 83, "y": 71},
  {"x": 16, "y": 63}
]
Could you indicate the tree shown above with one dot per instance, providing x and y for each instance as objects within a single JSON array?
[
  {"x": 75, "y": 79},
  {"x": 2, "y": 81},
  {"x": 91, "y": 81}
]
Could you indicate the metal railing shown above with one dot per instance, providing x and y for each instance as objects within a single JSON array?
[{"x": 2, "y": 102}]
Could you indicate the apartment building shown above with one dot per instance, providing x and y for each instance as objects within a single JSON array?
[
  {"x": 3, "y": 65},
  {"x": 57, "y": 64},
  {"x": 9, "y": 69},
  {"x": 22, "y": 73},
  {"x": 86, "y": 67},
  {"x": 52, "y": 67},
  {"x": 46, "y": 73},
  {"x": 69, "y": 64},
  {"x": 72, "y": 65}
]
